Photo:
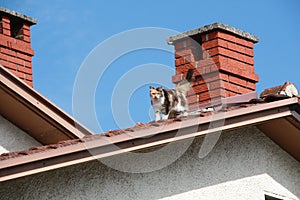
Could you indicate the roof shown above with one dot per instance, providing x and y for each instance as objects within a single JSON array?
[
  {"x": 17, "y": 16},
  {"x": 211, "y": 27},
  {"x": 280, "y": 120},
  {"x": 40, "y": 118}
]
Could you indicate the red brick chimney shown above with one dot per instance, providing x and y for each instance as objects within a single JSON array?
[
  {"x": 223, "y": 59},
  {"x": 15, "y": 47}
]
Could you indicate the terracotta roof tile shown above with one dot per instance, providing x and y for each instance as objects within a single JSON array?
[{"x": 139, "y": 126}]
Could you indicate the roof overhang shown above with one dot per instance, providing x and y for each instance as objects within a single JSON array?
[
  {"x": 33, "y": 113},
  {"x": 263, "y": 115}
]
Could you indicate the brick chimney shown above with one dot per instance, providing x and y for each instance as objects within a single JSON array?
[
  {"x": 223, "y": 59},
  {"x": 15, "y": 47}
]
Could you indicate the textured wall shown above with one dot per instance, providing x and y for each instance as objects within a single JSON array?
[
  {"x": 14, "y": 139},
  {"x": 243, "y": 165}
]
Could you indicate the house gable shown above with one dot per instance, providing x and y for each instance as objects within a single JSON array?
[{"x": 13, "y": 138}]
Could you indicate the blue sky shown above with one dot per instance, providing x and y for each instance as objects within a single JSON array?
[{"x": 67, "y": 32}]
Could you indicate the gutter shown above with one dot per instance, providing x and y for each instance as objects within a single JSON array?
[{"x": 143, "y": 139}]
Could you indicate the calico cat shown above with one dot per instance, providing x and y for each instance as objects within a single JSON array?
[{"x": 171, "y": 103}]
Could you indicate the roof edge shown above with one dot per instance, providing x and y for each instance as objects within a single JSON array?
[
  {"x": 210, "y": 27},
  {"x": 105, "y": 146},
  {"x": 40, "y": 105}
]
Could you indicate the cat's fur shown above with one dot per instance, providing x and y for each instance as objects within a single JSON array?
[{"x": 171, "y": 103}]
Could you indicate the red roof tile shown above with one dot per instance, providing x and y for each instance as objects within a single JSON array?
[{"x": 138, "y": 126}]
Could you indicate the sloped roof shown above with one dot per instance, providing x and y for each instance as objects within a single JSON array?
[
  {"x": 280, "y": 120},
  {"x": 34, "y": 113}
]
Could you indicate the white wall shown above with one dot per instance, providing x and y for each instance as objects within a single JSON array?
[
  {"x": 14, "y": 139},
  {"x": 244, "y": 164}
]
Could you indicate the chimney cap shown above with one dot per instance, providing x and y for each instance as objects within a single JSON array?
[
  {"x": 210, "y": 27},
  {"x": 18, "y": 16}
]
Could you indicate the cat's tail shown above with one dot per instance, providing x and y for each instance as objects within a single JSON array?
[{"x": 185, "y": 85}]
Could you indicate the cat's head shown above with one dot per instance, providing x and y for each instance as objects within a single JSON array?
[{"x": 156, "y": 93}]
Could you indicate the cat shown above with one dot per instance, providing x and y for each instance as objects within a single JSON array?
[{"x": 171, "y": 103}]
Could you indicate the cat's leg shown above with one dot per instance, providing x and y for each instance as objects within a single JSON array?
[
  {"x": 157, "y": 115},
  {"x": 164, "y": 117},
  {"x": 185, "y": 113}
]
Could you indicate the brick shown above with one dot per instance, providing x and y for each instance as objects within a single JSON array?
[
  {"x": 195, "y": 81},
  {"x": 226, "y": 36},
  {"x": 7, "y": 51},
  {"x": 3, "y": 56},
  {"x": 8, "y": 64},
  {"x": 214, "y": 43},
  {"x": 231, "y": 54},
  {"x": 17, "y": 45},
  {"x": 206, "y": 55},
  {"x": 179, "y": 61},
  {"x": 183, "y": 68},
  {"x": 4, "y": 25},
  {"x": 251, "y": 85},
  {"x": 18, "y": 74},
  {"x": 203, "y": 102},
  {"x": 244, "y": 90},
  {"x": 217, "y": 93},
  {"x": 209, "y": 78},
  {"x": 24, "y": 56},
  {"x": 209, "y": 36},
  {"x": 28, "y": 64},
  {"x": 238, "y": 81},
  {"x": 198, "y": 89},
  {"x": 245, "y": 43},
  {"x": 30, "y": 52},
  {"x": 26, "y": 27},
  {"x": 204, "y": 96},
  {"x": 236, "y": 88},
  {"x": 241, "y": 65},
  {"x": 6, "y": 32},
  {"x": 231, "y": 87},
  {"x": 210, "y": 44},
  {"x": 176, "y": 78},
  {"x": 24, "y": 32},
  {"x": 30, "y": 83},
  {"x": 16, "y": 60},
  {"x": 224, "y": 77},
  {"x": 193, "y": 98},
  {"x": 5, "y": 19},
  {"x": 236, "y": 47},
  {"x": 249, "y": 51},
  {"x": 6, "y": 39},
  {"x": 189, "y": 59},
  {"x": 202, "y": 63},
  {"x": 205, "y": 70},
  {"x": 25, "y": 70},
  {"x": 26, "y": 39},
  {"x": 215, "y": 84},
  {"x": 183, "y": 52},
  {"x": 28, "y": 77}
]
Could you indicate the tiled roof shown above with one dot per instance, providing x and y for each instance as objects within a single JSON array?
[
  {"x": 272, "y": 118},
  {"x": 140, "y": 126}
]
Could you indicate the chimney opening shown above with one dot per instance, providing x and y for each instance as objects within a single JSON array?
[
  {"x": 197, "y": 47},
  {"x": 15, "y": 28}
]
